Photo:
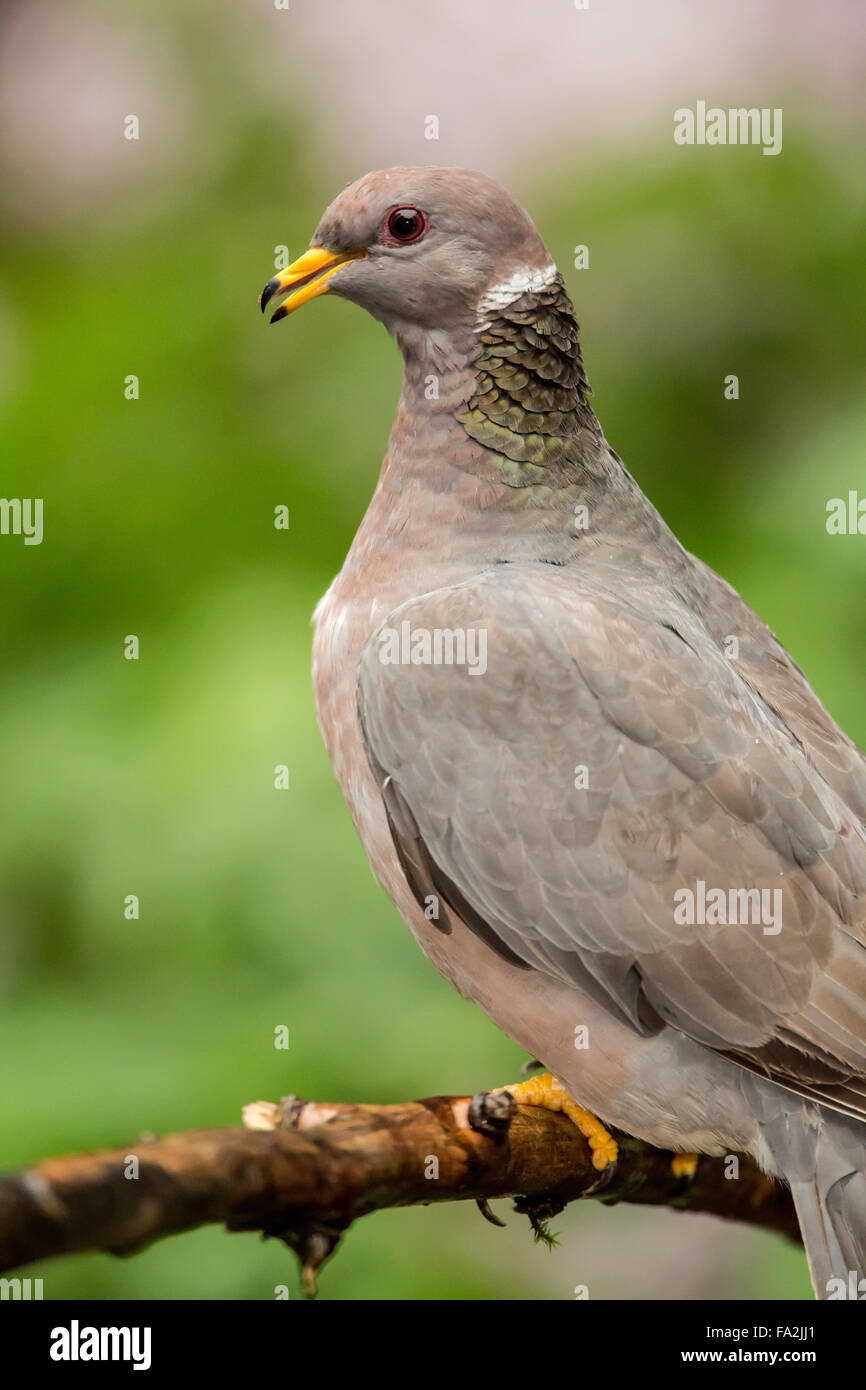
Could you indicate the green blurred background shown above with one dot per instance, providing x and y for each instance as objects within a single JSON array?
[{"x": 155, "y": 776}]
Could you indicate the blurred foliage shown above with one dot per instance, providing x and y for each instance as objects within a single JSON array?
[{"x": 156, "y": 777}]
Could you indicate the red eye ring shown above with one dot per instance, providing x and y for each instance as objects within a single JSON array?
[{"x": 404, "y": 225}]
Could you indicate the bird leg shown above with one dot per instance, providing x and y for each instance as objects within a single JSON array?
[{"x": 546, "y": 1092}]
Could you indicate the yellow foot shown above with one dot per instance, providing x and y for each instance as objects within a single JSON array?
[
  {"x": 546, "y": 1092},
  {"x": 684, "y": 1165}
]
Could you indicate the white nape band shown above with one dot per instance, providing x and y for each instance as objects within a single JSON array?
[{"x": 522, "y": 282}]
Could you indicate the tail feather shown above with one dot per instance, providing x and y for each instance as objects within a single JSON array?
[
  {"x": 823, "y": 1250},
  {"x": 822, "y": 1155},
  {"x": 846, "y": 1204},
  {"x": 831, "y": 1209}
]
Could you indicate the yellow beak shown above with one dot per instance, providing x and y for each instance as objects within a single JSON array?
[{"x": 306, "y": 277}]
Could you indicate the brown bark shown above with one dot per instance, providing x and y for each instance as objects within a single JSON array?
[{"x": 305, "y": 1171}]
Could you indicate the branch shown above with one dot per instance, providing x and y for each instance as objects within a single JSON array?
[{"x": 304, "y": 1171}]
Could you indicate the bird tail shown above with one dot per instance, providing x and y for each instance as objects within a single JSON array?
[{"x": 831, "y": 1209}]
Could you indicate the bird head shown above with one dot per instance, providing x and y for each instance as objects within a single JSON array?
[{"x": 421, "y": 249}]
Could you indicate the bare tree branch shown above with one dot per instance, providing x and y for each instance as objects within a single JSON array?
[{"x": 303, "y": 1171}]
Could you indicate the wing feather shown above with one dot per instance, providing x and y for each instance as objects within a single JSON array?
[{"x": 604, "y": 761}]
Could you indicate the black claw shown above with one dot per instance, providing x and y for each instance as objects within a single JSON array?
[
  {"x": 532, "y": 1065},
  {"x": 606, "y": 1177},
  {"x": 484, "y": 1207},
  {"x": 490, "y": 1112}
]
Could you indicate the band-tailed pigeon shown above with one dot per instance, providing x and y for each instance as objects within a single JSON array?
[{"x": 602, "y": 795}]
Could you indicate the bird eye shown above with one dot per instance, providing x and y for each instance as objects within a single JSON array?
[{"x": 404, "y": 225}]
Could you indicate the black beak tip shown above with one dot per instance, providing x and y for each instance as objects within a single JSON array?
[{"x": 268, "y": 293}]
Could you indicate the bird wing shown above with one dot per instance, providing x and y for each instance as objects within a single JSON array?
[
  {"x": 770, "y": 671},
  {"x": 562, "y": 793}
]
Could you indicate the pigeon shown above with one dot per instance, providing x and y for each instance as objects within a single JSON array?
[{"x": 601, "y": 794}]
